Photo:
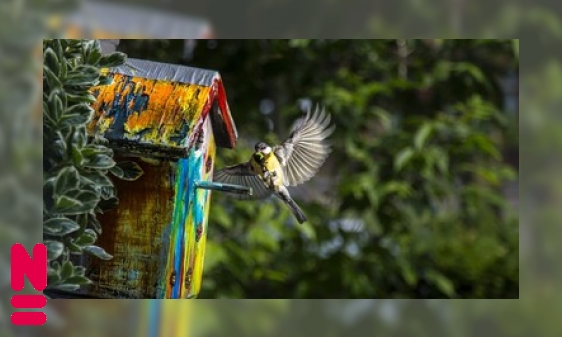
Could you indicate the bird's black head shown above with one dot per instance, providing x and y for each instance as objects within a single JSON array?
[{"x": 261, "y": 146}]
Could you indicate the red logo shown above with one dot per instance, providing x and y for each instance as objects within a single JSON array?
[{"x": 35, "y": 268}]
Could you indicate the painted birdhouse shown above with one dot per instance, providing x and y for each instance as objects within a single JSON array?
[{"x": 169, "y": 119}]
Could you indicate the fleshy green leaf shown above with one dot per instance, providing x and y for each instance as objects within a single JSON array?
[
  {"x": 68, "y": 179},
  {"x": 52, "y": 80},
  {"x": 87, "y": 238},
  {"x": 79, "y": 270},
  {"x": 95, "y": 54},
  {"x": 79, "y": 280},
  {"x": 73, "y": 247},
  {"x": 60, "y": 226},
  {"x": 54, "y": 249},
  {"x": 100, "y": 161},
  {"x": 113, "y": 60},
  {"x": 98, "y": 252},
  {"x": 67, "y": 205},
  {"x": 127, "y": 170},
  {"x": 83, "y": 75},
  {"x": 77, "y": 202},
  {"x": 97, "y": 178},
  {"x": 81, "y": 98},
  {"x": 67, "y": 271},
  {"x": 79, "y": 114},
  {"x": 51, "y": 60},
  {"x": 53, "y": 276},
  {"x": 67, "y": 287}
]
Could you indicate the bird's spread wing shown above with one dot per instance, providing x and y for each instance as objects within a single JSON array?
[
  {"x": 242, "y": 175},
  {"x": 306, "y": 149}
]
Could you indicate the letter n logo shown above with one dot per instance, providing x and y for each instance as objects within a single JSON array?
[{"x": 35, "y": 268}]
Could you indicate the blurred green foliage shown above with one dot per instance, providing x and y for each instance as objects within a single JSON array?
[{"x": 409, "y": 205}]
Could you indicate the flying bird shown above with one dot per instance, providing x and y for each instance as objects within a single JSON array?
[{"x": 272, "y": 168}]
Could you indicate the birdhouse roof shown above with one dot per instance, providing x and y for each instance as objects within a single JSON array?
[{"x": 157, "y": 109}]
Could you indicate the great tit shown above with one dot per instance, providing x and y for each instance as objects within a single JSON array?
[{"x": 271, "y": 169}]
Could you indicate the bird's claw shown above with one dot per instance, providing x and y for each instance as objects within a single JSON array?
[{"x": 268, "y": 174}]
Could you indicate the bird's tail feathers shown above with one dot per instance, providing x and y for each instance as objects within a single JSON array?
[{"x": 295, "y": 209}]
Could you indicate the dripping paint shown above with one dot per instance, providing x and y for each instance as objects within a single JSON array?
[
  {"x": 148, "y": 111},
  {"x": 191, "y": 207}
]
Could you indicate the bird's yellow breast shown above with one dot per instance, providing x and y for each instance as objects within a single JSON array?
[{"x": 271, "y": 164}]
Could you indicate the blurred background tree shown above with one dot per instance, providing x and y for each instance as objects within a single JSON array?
[{"x": 412, "y": 203}]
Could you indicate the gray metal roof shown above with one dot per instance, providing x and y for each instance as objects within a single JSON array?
[{"x": 167, "y": 72}]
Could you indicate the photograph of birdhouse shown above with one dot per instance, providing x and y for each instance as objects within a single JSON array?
[{"x": 281, "y": 169}]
